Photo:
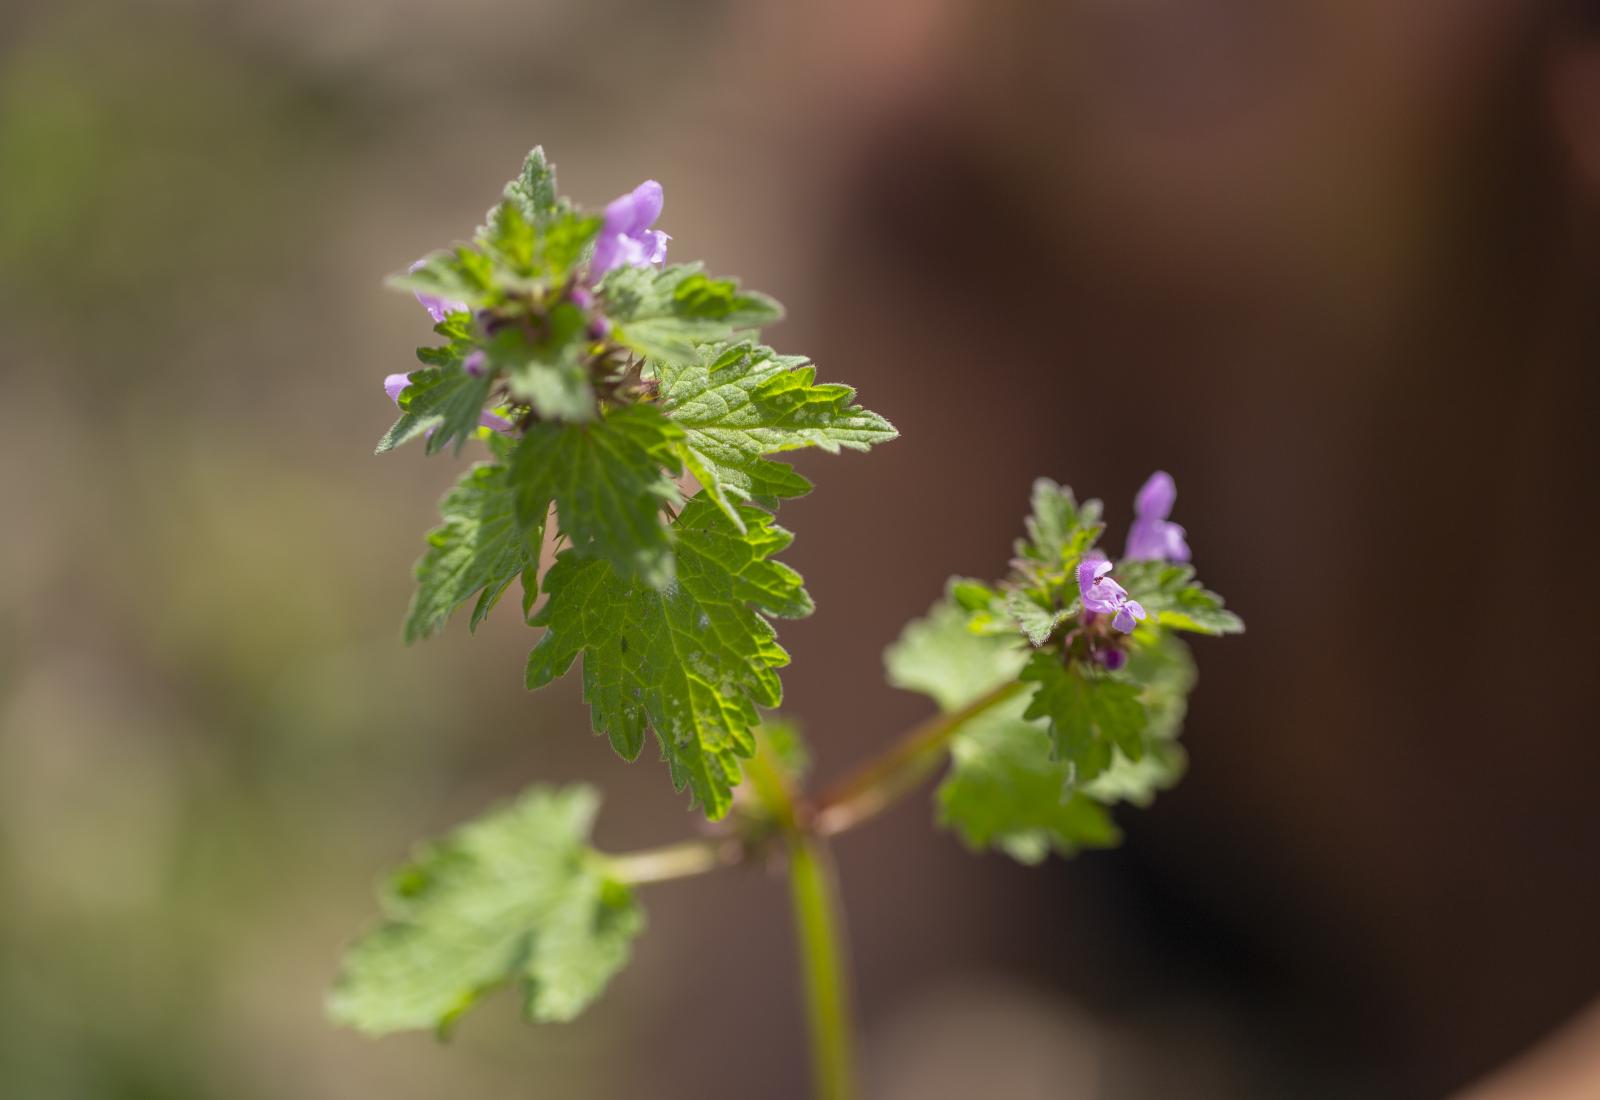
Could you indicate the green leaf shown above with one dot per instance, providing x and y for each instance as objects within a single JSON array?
[
  {"x": 1006, "y": 790},
  {"x": 460, "y": 274},
  {"x": 941, "y": 658},
  {"x": 533, "y": 192},
  {"x": 692, "y": 661},
  {"x": 1060, "y": 530},
  {"x": 478, "y": 551},
  {"x": 737, "y": 404},
  {"x": 607, "y": 482},
  {"x": 514, "y": 897},
  {"x": 1037, "y": 623},
  {"x": 1165, "y": 674},
  {"x": 1171, "y": 597},
  {"x": 446, "y": 401},
  {"x": 549, "y": 371},
  {"x": 666, "y": 313},
  {"x": 1090, "y": 714},
  {"x": 545, "y": 248}
]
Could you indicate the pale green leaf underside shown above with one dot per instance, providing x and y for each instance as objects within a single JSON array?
[
  {"x": 514, "y": 897},
  {"x": 940, "y": 657},
  {"x": 1004, "y": 790}
]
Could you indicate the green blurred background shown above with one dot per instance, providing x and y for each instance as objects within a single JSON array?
[{"x": 1343, "y": 252}]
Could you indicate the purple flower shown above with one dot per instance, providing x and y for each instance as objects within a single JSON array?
[
  {"x": 438, "y": 308},
  {"x": 1153, "y": 536},
  {"x": 1111, "y": 659},
  {"x": 626, "y": 237},
  {"x": 1104, "y": 596},
  {"x": 473, "y": 363},
  {"x": 395, "y": 384}
]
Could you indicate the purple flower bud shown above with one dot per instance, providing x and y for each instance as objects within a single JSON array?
[
  {"x": 626, "y": 237},
  {"x": 474, "y": 361},
  {"x": 1152, "y": 536},
  {"x": 581, "y": 297},
  {"x": 438, "y": 308},
  {"x": 1105, "y": 596},
  {"x": 599, "y": 328},
  {"x": 1111, "y": 659}
]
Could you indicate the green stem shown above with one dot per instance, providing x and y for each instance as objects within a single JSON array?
[
  {"x": 824, "y": 965},
  {"x": 681, "y": 860},
  {"x": 814, "y": 891},
  {"x": 819, "y": 925},
  {"x": 884, "y": 780}
]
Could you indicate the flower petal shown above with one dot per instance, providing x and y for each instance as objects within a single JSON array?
[{"x": 1156, "y": 497}]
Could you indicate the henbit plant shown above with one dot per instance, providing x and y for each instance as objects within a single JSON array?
[{"x": 602, "y": 382}]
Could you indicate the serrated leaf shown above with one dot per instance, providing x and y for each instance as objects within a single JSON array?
[
  {"x": 1006, "y": 790},
  {"x": 1173, "y": 599},
  {"x": 444, "y": 401},
  {"x": 737, "y": 404},
  {"x": 533, "y": 192},
  {"x": 692, "y": 661},
  {"x": 478, "y": 551},
  {"x": 544, "y": 248},
  {"x": 609, "y": 480},
  {"x": 1060, "y": 530},
  {"x": 1036, "y": 622},
  {"x": 1090, "y": 714},
  {"x": 666, "y": 313},
  {"x": 513, "y": 897}
]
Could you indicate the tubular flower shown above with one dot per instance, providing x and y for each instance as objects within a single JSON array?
[
  {"x": 1153, "y": 537},
  {"x": 1104, "y": 596},
  {"x": 626, "y": 237},
  {"x": 438, "y": 308}
]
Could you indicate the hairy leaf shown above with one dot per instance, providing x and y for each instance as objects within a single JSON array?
[
  {"x": 737, "y": 404},
  {"x": 1006, "y": 790},
  {"x": 941, "y": 658},
  {"x": 443, "y": 401},
  {"x": 607, "y": 481},
  {"x": 478, "y": 551},
  {"x": 1169, "y": 594},
  {"x": 516, "y": 897},
  {"x": 666, "y": 313},
  {"x": 1090, "y": 714},
  {"x": 692, "y": 661}
]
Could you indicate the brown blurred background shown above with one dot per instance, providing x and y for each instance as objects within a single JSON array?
[{"x": 1333, "y": 263}]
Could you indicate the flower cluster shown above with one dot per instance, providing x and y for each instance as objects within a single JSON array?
[
  {"x": 627, "y": 239},
  {"x": 1152, "y": 537}
]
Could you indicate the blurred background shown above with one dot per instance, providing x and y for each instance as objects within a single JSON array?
[{"x": 1333, "y": 263}]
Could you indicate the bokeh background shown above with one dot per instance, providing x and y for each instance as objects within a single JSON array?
[{"x": 1333, "y": 263}]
